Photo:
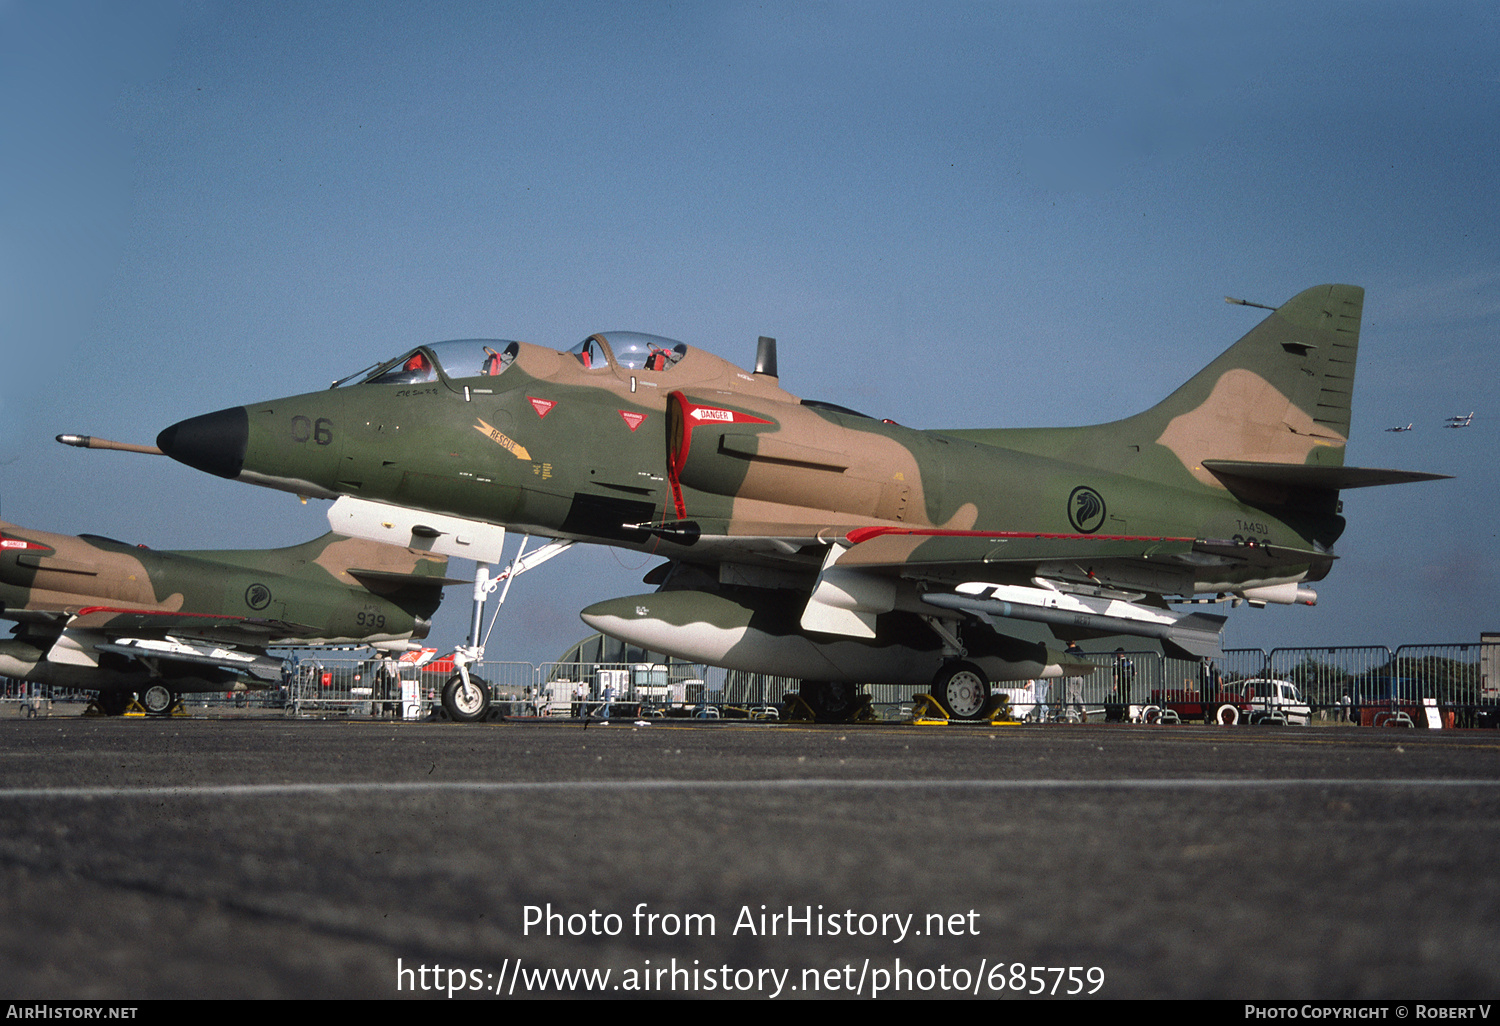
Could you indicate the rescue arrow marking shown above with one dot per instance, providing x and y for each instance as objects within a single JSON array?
[{"x": 503, "y": 440}]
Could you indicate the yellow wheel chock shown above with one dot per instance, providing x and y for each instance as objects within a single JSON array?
[{"x": 927, "y": 711}]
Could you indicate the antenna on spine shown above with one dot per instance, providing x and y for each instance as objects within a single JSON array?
[{"x": 765, "y": 357}]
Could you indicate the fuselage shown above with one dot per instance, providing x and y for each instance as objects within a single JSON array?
[
  {"x": 805, "y": 539},
  {"x": 303, "y": 593},
  {"x": 675, "y": 451}
]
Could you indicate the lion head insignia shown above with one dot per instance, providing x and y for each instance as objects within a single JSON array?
[
  {"x": 1086, "y": 510},
  {"x": 257, "y": 596}
]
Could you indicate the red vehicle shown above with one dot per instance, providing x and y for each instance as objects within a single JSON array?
[
  {"x": 1385, "y": 701},
  {"x": 1223, "y": 706},
  {"x": 1258, "y": 700}
]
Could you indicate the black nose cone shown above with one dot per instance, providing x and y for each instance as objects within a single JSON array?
[{"x": 213, "y": 443}]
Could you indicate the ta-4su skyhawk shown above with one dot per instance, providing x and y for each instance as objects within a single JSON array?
[
  {"x": 806, "y": 540},
  {"x": 121, "y": 619}
]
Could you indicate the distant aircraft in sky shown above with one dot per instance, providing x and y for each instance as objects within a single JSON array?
[
  {"x": 1406, "y": 428},
  {"x": 1460, "y": 420}
]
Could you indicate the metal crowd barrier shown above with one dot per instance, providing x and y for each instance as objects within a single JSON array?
[{"x": 1363, "y": 684}]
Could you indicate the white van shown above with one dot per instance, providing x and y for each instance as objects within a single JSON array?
[{"x": 1273, "y": 700}]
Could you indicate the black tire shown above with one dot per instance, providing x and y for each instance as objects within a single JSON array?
[
  {"x": 158, "y": 699},
  {"x": 113, "y": 702},
  {"x": 962, "y": 690},
  {"x": 830, "y": 701},
  {"x": 466, "y": 705}
]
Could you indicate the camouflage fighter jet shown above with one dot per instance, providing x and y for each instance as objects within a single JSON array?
[
  {"x": 120, "y": 619},
  {"x": 806, "y": 540}
]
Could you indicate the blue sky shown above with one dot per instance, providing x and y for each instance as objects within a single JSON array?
[{"x": 950, "y": 214}]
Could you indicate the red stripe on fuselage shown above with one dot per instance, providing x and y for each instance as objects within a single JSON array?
[{"x": 863, "y": 534}]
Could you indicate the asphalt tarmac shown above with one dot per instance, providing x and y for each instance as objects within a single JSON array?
[{"x": 265, "y": 858}]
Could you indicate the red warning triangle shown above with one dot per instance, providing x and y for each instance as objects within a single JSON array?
[
  {"x": 542, "y": 406},
  {"x": 633, "y": 419}
]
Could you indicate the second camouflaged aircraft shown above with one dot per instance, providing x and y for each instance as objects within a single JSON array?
[
  {"x": 120, "y": 619},
  {"x": 806, "y": 540}
]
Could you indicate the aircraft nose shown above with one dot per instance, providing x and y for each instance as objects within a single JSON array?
[{"x": 213, "y": 443}]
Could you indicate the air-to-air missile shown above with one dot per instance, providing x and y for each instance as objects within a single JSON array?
[
  {"x": 805, "y": 539},
  {"x": 124, "y": 620}
]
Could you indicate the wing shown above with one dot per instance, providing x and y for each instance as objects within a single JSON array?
[
  {"x": 1087, "y": 585},
  {"x": 228, "y": 629},
  {"x": 235, "y": 644},
  {"x": 1128, "y": 563}
]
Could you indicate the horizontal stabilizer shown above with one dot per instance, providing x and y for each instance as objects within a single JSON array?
[
  {"x": 1300, "y": 475},
  {"x": 405, "y": 580}
]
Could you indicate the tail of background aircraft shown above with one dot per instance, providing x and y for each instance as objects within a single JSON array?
[{"x": 368, "y": 562}]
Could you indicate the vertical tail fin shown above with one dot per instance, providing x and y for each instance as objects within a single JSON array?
[{"x": 1279, "y": 395}]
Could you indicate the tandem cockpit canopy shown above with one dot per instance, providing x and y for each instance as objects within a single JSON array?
[
  {"x": 461, "y": 358},
  {"x": 629, "y": 350},
  {"x": 489, "y": 357}
]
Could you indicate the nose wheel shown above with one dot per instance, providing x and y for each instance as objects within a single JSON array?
[{"x": 466, "y": 701}]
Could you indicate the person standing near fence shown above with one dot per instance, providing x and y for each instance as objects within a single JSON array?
[
  {"x": 1073, "y": 688},
  {"x": 609, "y": 701},
  {"x": 1119, "y": 697},
  {"x": 1210, "y": 688}
]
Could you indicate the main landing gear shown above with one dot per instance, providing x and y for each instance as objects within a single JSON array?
[
  {"x": 157, "y": 700},
  {"x": 113, "y": 702},
  {"x": 963, "y": 690},
  {"x": 833, "y": 701}
]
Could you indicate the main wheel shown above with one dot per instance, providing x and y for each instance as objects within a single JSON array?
[
  {"x": 466, "y": 702},
  {"x": 963, "y": 690},
  {"x": 113, "y": 702},
  {"x": 158, "y": 699},
  {"x": 831, "y": 701}
]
